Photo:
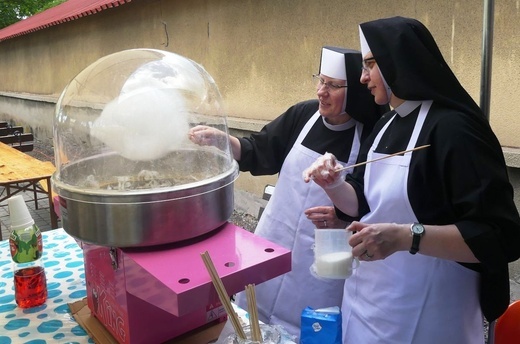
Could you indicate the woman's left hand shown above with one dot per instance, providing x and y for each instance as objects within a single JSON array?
[
  {"x": 324, "y": 217},
  {"x": 377, "y": 241}
]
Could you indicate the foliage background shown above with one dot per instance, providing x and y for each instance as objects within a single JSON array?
[{"x": 12, "y": 11}]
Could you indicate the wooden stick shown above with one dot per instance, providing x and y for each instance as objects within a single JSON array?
[
  {"x": 254, "y": 323},
  {"x": 223, "y": 295},
  {"x": 384, "y": 157}
]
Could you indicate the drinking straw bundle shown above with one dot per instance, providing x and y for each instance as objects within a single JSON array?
[
  {"x": 222, "y": 295},
  {"x": 254, "y": 323}
]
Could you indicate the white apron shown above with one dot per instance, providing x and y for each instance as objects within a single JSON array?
[
  {"x": 407, "y": 298},
  {"x": 282, "y": 299}
]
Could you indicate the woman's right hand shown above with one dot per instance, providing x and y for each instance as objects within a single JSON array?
[
  {"x": 324, "y": 172},
  {"x": 207, "y": 136}
]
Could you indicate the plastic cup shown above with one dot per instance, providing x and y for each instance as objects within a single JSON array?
[
  {"x": 19, "y": 213},
  {"x": 332, "y": 254},
  {"x": 270, "y": 335}
]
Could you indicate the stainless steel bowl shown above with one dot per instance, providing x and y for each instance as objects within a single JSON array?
[{"x": 95, "y": 213}]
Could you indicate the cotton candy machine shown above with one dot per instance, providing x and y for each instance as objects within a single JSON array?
[
  {"x": 123, "y": 153},
  {"x": 145, "y": 202}
]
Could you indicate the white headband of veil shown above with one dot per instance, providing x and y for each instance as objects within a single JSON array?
[
  {"x": 333, "y": 65},
  {"x": 365, "y": 49}
]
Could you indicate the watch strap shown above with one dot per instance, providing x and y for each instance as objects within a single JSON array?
[
  {"x": 416, "y": 238},
  {"x": 415, "y": 244}
]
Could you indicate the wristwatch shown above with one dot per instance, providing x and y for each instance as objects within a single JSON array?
[{"x": 417, "y": 232}]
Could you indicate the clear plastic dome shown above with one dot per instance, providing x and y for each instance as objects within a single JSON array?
[
  {"x": 123, "y": 123},
  {"x": 127, "y": 173}
]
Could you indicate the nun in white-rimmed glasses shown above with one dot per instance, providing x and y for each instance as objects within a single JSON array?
[{"x": 438, "y": 225}]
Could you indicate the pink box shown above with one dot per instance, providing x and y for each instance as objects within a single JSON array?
[{"x": 153, "y": 294}]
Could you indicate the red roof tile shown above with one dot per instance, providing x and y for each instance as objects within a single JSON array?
[{"x": 67, "y": 11}]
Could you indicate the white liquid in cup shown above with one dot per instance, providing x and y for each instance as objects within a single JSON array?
[
  {"x": 333, "y": 254},
  {"x": 334, "y": 265}
]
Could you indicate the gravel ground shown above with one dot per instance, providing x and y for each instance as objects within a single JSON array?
[{"x": 244, "y": 220}]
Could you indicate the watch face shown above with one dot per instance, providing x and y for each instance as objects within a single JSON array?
[{"x": 417, "y": 228}]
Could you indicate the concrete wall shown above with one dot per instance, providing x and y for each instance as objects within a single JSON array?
[{"x": 261, "y": 53}]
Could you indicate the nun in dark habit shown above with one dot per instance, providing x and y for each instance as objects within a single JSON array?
[
  {"x": 438, "y": 225},
  {"x": 337, "y": 122}
]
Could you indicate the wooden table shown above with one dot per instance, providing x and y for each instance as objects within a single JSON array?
[{"x": 21, "y": 172}]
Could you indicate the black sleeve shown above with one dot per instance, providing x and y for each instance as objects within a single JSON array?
[
  {"x": 263, "y": 153},
  {"x": 465, "y": 177},
  {"x": 463, "y": 180}
]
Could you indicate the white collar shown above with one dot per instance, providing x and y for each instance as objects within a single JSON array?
[
  {"x": 340, "y": 127},
  {"x": 408, "y": 106}
]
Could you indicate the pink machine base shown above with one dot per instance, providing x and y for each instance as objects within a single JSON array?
[{"x": 153, "y": 294}]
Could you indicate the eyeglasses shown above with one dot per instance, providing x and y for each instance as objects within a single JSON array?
[
  {"x": 368, "y": 64},
  {"x": 328, "y": 86}
]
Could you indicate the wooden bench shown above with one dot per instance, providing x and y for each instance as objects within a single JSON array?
[
  {"x": 9, "y": 130},
  {"x": 24, "y": 142}
]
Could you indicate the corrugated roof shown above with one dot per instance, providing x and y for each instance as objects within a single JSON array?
[{"x": 67, "y": 11}]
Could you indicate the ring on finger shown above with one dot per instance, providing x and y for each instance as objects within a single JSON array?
[
  {"x": 324, "y": 223},
  {"x": 368, "y": 256}
]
